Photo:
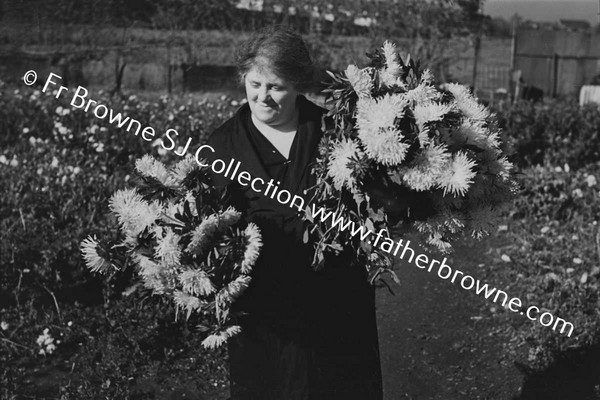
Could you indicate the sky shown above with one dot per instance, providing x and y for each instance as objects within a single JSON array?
[{"x": 544, "y": 10}]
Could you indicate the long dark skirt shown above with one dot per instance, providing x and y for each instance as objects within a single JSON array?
[{"x": 330, "y": 353}]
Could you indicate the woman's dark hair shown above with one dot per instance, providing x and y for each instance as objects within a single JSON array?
[{"x": 282, "y": 51}]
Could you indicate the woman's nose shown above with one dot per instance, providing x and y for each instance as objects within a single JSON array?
[{"x": 263, "y": 94}]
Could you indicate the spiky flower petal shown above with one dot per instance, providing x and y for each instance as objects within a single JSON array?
[
  {"x": 94, "y": 261},
  {"x": 360, "y": 79},
  {"x": 253, "y": 245},
  {"x": 466, "y": 103},
  {"x": 339, "y": 160},
  {"x": 459, "y": 175},
  {"x": 150, "y": 167},
  {"x": 219, "y": 338}
]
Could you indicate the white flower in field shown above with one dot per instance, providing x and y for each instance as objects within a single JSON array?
[
  {"x": 167, "y": 248},
  {"x": 574, "y": 237},
  {"x": 3, "y": 159},
  {"x": 577, "y": 260},
  {"x": 59, "y": 110},
  {"x": 339, "y": 159},
  {"x": 54, "y": 163},
  {"x": 466, "y": 103},
  {"x": 253, "y": 245},
  {"x": 577, "y": 193},
  {"x": 424, "y": 172},
  {"x": 235, "y": 103},
  {"x": 558, "y": 169},
  {"x": 459, "y": 175},
  {"x": 94, "y": 261},
  {"x": 591, "y": 180},
  {"x": 567, "y": 168},
  {"x": 391, "y": 72},
  {"x": 76, "y": 170},
  {"x": 100, "y": 148},
  {"x": 150, "y": 167},
  {"x": 46, "y": 343},
  {"x": 70, "y": 323},
  {"x": 545, "y": 229},
  {"x": 26, "y": 130},
  {"x": 66, "y": 111},
  {"x": 94, "y": 128},
  {"x": 216, "y": 340},
  {"x": 505, "y": 258},
  {"x": 4, "y": 325},
  {"x": 360, "y": 79},
  {"x": 14, "y": 162},
  {"x": 196, "y": 283},
  {"x": 502, "y": 228}
]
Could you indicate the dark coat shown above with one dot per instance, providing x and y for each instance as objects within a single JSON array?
[{"x": 307, "y": 335}]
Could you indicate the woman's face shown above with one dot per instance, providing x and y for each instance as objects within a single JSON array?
[{"x": 272, "y": 100}]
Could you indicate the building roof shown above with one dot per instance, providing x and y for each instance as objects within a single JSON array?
[{"x": 575, "y": 24}]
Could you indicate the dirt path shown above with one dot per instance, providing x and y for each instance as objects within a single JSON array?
[{"x": 439, "y": 341}]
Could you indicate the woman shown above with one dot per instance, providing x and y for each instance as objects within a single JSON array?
[{"x": 306, "y": 335}]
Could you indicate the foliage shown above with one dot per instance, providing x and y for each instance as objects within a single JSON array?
[
  {"x": 58, "y": 168},
  {"x": 555, "y": 231},
  {"x": 556, "y": 132}
]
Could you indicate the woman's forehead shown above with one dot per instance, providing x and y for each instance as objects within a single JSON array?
[{"x": 264, "y": 75}]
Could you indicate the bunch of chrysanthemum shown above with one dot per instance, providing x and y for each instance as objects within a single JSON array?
[
  {"x": 185, "y": 245},
  {"x": 401, "y": 148}
]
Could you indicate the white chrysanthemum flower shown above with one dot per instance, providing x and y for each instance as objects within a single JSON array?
[
  {"x": 170, "y": 209},
  {"x": 360, "y": 79},
  {"x": 425, "y": 171},
  {"x": 167, "y": 248},
  {"x": 376, "y": 128},
  {"x": 150, "y": 167},
  {"x": 436, "y": 240},
  {"x": 184, "y": 167},
  {"x": 208, "y": 227},
  {"x": 339, "y": 158},
  {"x": 253, "y": 246},
  {"x": 233, "y": 289},
  {"x": 385, "y": 146},
  {"x": 133, "y": 212},
  {"x": 474, "y": 133},
  {"x": 381, "y": 113},
  {"x": 466, "y": 103},
  {"x": 427, "y": 76},
  {"x": 423, "y": 93},
  {"x": 187, "y": 302},
  {"x": 229, "y": 218},
  {"x": 196, "y": 283},
  {"x": 430, "y": 112},
  {"x": 459, "y": 175},
  {"x": 391, "y": 73},
  {"x": 93, "y": 260},
  {"x": 191, "y": 199},
  {"x": 216, "y": 340},
  {"x": 147, "y": 267}
]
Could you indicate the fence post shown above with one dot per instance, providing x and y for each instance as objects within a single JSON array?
[{"x": 555, "y": 60}]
